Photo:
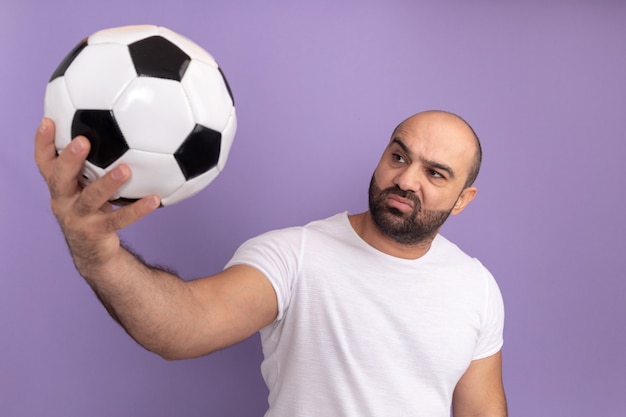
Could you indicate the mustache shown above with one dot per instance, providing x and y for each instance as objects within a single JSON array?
[{"x": 409, "y": 195}]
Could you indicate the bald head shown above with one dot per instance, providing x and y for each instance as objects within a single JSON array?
[{"x": 450, "y": 124}]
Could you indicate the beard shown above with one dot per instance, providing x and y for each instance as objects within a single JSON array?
[{"x": 417, "y": 227}]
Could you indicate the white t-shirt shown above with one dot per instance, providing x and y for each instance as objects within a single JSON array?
[{"x": 361, "y": 333}]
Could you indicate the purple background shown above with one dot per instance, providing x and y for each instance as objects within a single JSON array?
[{"x": 319, "y": 86}]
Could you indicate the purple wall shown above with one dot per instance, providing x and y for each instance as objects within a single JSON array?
[{"x": 319, "y": 88}]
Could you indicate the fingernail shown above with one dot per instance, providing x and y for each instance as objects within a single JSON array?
[
  {"x": 118, "y": 173},
  {"x": 77, "y": 145},
  {"x": 153, "y": 202},
  {"x": 43, "y": 126}
]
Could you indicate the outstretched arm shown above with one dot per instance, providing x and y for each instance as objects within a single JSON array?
[
  {"x": 480, "y": 391},
  {"x": 171, "y": 317}
]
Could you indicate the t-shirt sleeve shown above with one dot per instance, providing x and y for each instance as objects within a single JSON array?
[
  {"x": 491, "y": 337},
  {"x": 277, "y": 255}
]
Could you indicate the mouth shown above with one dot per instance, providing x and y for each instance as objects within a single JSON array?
[{"x": 400, "y": 203}]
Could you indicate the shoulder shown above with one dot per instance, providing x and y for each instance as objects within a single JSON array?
[
  {"x": 291, "y": 239},
  {"x": 444, "y": 250},
  {"x": 451, "y": 260},
  {"x": 330, "y": 225}
]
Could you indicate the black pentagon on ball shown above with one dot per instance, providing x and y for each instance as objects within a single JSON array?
[
  {"x": 104, "y": 134},
  {"x": 67, "y": 61},
  {"x": 157, "y": 57},
  {"x": 199, "y": 152}
]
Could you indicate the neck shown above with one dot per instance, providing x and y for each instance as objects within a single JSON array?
[{"x": 364, "y": 226}]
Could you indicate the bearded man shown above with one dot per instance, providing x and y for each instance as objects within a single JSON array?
[{"x": 370, "y": 314}]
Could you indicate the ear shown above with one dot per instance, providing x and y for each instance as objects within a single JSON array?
[{"x": 467, "y": 195}]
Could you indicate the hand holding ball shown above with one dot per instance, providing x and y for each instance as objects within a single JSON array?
[{"x": 150, "y": 98}]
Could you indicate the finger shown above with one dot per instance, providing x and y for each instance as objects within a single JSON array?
[
  {"x": 45, "y": 151},
  {"x": 98, "y": 193},
  {"x": 127, "y": 215},
  {"x": 63, "y": 179}
]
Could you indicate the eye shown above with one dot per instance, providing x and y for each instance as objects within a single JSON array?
[
  {"x": 435, "y": 174},
  {"x": 398, "y": 158}
]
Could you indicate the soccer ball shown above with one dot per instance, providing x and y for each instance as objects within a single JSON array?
[{"x": 150, "y": 98}]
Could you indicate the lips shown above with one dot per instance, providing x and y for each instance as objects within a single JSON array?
[{"x": 400, "y": 203}]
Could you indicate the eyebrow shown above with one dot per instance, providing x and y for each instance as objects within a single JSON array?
[{"x": 431, "y": 163}]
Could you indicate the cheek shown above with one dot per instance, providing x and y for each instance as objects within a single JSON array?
[
  {"x": 435, "y": 199},
  {"x": 383, "y": 177}
]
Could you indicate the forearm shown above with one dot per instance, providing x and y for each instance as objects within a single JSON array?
[{"x": 153, "y": 305}]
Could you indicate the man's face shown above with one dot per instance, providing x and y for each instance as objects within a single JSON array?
[
  {"x": 420, "y": 179},
  {"x": 409, "y": 227}
]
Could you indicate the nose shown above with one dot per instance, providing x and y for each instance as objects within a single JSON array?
[{"x": 408, "y": 180}]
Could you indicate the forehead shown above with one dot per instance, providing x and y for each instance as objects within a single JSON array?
[{"x": 439, "y": 137}]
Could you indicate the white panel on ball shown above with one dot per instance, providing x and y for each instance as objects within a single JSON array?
[
  {"x": 86, "y": 76},
  {"x": 228, "y": 134},
  {"x": 124, "y": 35},
  {"x": 57, "y": 104},
  {"x": 154, "y": 115},
  {"x": 191, "y": 187},
  {"x": 208, "y": 95},
  {"x": 188, "y": 46},
  {"x": 145, "y": 179}
]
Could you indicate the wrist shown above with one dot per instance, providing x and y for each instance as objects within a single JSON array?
[{"x": 94, "y": 258}]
